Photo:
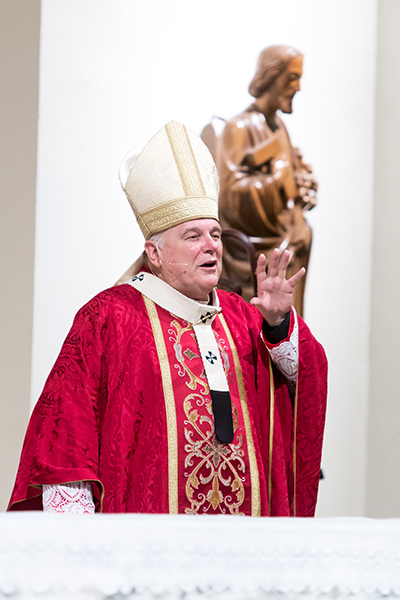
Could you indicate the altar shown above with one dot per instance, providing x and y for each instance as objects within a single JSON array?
[{"x": 117, "y": 557}]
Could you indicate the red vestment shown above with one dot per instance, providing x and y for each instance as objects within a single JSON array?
[{"x": 127, "y": 407}]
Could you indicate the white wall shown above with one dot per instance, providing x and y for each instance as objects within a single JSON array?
[{"x": 113, "y": 72}]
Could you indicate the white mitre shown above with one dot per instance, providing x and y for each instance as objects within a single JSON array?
[{"x": 171, "y": 180}]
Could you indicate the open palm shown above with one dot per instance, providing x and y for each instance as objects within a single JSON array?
[{"x": 275, "y": 292}]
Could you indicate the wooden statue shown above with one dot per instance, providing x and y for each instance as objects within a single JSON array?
[{"x": 265, "y": 185}]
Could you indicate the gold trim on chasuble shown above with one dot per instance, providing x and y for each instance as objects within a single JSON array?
[
  {"x": 271, "y": 431},
  {"x": 271, "y": 436},
  {"x": 254, "y": 476},
  {"x": 295, "y": 443},
  {"x": 169, "y": 400}
]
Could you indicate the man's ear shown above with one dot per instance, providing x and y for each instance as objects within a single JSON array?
[{"x": 152, "y": 253}]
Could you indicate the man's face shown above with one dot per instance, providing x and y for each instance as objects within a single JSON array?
[
  {"x": 287, "y": 84},
  {"x": 190, "y": 260}
]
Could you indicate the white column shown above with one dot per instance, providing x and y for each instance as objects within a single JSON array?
[
  {"x": 383, "y": 483},
  {"x": 19, "y": 81}
]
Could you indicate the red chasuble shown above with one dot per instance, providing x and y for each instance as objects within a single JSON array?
[{"x": 127, "y": 406}]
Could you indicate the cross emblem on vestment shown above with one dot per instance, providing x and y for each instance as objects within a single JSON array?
[{"x": 211, "y": 357}]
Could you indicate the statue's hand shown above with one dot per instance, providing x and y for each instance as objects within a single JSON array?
[
  {"x": 281, "y": 169},
  {"x": 307, "y": 187},
  {"x": 275, "y": 292}
]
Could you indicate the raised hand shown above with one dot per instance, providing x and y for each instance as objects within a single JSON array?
[{"x": 275, "y": 292}]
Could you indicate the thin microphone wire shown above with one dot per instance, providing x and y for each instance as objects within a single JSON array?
[{"x": 173, "y": 263}]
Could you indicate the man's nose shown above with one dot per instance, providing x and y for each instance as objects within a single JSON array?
[{"x": 211, "y": 244}]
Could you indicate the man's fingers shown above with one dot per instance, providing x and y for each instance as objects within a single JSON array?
[
  {"x": 273, "y": 263},
  {"x": 278, "y": 263},
  {"x": 296, "y": 277},
  {"x": 277, "y": 266},
  {"x": 261, "y": 267},
  {"x": 255, "y": 301},
  {"x": 283, "y": 264}
]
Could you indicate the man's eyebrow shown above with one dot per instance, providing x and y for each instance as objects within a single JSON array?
[
  {"x": 199, "y": 231},
  {"x": 189, "y": 229}
]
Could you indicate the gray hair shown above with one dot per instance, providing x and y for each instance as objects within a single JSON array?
[{"x": 158, "y": 239}]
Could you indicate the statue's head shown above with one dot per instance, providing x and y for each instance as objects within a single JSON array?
[{"x": 279, "y": 70}]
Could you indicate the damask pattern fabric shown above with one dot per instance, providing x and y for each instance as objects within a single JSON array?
[
  {"x": 222, "y": 466},
  {"x": 102, "y": 416}
]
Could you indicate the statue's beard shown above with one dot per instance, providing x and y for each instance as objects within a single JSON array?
[{"x": 285, "y": 104}]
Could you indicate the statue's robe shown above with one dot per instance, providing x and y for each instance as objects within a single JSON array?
[
  {"x": 127, "y": 407},
  {"x": 254, "y": 199}
]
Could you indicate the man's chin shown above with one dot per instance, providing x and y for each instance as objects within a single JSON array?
[{"x": 208, "y": 284}]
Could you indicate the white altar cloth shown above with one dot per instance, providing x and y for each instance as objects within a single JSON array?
[{"x": 212, "y": 557}]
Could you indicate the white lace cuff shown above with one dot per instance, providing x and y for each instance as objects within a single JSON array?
[
  {"x": 75, "y": 497},
  {"x": 286, "y": 354}
]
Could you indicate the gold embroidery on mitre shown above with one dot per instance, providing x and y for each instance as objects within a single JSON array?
[
  {"x": 174, "y": 212},
  {"x": 185, "y": 159},
  {"x": 173, "y": 179}
]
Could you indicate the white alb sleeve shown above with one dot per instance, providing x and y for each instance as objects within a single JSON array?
[
  {"x": 286, "y": 354},
  {"x": 75, "y": 497}
]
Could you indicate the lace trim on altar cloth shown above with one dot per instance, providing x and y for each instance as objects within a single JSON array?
[
  {"x": 169, "y": 557},
  {"x": 75, "y": 497},
  {"x": 286, "y": 355}
]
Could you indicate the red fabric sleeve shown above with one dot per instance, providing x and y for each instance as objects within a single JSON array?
[
  {"x": 288, "y": 475},
  {"x": 58, "y": 449},
  {"x": 311, "y": 401}
]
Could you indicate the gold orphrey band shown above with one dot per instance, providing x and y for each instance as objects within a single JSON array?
[
  {"x": 271, "y": 431},
  {"x": 169, "y": 400},
  {"x": 185, "y": 159}
]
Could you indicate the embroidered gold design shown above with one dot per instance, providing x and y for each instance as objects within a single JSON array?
[
  {"x": 214, "y": 472},
  {"x": 214, "y": 496},
  {"x": 169, "y": 400},
  {"x": 175, "y": 337},
  {"x": 225, "y": 356},
  {"x": 189, "y": 354},
  {"x": 254, "y": 476},
  {"x": 176, "y": 211},
  {"x": 185, "y": 159},
  {"x": 214, "y": 463}
]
